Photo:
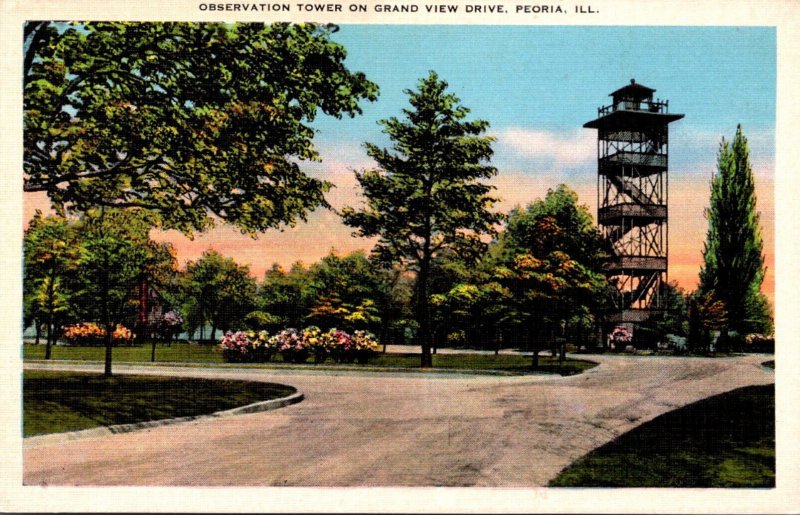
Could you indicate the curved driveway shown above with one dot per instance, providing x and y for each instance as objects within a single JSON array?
[{"x": 357, "y": 429}]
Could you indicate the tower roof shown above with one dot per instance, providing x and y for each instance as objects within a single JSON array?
[{"x": 634, "y": 91}]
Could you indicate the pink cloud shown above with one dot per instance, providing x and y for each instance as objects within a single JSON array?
[{"x": 566, "y": 148}]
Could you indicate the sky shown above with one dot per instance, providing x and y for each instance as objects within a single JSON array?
[{"x": 537, "y": 86}]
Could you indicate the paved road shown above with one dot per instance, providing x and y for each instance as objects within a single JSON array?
[{"x": 397, "y": 430}]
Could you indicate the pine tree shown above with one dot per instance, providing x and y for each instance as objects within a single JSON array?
[
  {"x": 733, "y": 268},
  {"x": 426, "y": 196}
]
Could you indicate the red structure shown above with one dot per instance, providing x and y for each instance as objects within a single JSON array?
[{"x": 632, "y": 159}]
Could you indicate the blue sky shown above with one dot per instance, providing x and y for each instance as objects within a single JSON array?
[
  {"x": 537, "y": 86},
  {"x": 552, "y": 78}
]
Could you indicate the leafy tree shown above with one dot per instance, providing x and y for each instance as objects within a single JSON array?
[
  {"x": 706, "y": 313},
  {"x": 468, "y": 301},
  {"x": 187, "y": 120},
  {"x": 425, "y": 195},
  {"x": 49, "y": 255},
  {"x": 287, "y": 296},
  {"x": 115, "y": 253},
  {"x": 347, "y": 292},
  {"x": 222, "y": 292},
  {"x": 671, "y": 319},
  {"x": 550, "y": 257},
  {"x": 733, "y": 268}
]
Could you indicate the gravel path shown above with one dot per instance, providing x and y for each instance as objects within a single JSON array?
[{"x": 395, "y": 429}]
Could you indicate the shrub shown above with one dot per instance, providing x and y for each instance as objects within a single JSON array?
[
  {"x": 316, "y": 343},
  {"x": 296, "y": 346},
  {"x": 365, "y": 345},
  {"x": 236, "y": 347},
  {"x": 759, "y": 343},
  {"x": 289, "y": 343},
  {"x": 620, "y": 338},
  {"x": 170, "y": 325},
  {"x": 91, "y": 334},
  {"x": 341, "y": 345}
]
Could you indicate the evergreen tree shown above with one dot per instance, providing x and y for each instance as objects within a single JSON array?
[
  {"x": 425, "y": 197},
  {"x": 733, "y": 268}
]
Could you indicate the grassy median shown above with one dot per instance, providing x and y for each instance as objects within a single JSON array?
[
  {"x": 55, "y": 402},
  {"x": 724, "y": 441},
  {"x": 207, "y": 354}
]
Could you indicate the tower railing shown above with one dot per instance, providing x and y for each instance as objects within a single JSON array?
[{"x": 649, "y": 106}]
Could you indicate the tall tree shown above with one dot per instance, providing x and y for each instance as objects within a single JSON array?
[
  {"x": 733, "y": 260},
  {"x": 193, "y": 121},
  {"x": 347, "y": 291},
  {"x": 551, "y": 257},
  {"x": 286, "y": 295},
  {"x": 426, "y": 194},
  {"x": 222, "y": 291},
  {"x": 49, "y": 255},
  {"x": 115, "y": 252}
]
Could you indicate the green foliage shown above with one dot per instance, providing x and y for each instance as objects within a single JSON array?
[
  {"x": 49, "y": 258},
  {"x": 287, "y": 296},
  {"x": 550, "y": 258},
  {"x": 556, "y": 223},
  {"x": 90, "y": 269},
  {"x": 187, "y": 120},
  {"x": 426, "y": 195},
  {"x": 733, "y": 268},
  {"x": 672, "y": 319},
  {"x": 217, "y": 291},
  {"x": 55, "y": 402},
  {"x": 116, "y": 253}
]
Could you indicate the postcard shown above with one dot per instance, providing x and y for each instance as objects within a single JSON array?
[{"x": 399, "y": 256}]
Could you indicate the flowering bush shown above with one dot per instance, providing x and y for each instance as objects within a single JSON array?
[
  {"x": 263, "y": 346},
  {"x": 236, "y": 347},
  {"x": 759, "y": 343},
  {"x": 290, "y": 344},
  {"x": 340, "y": 345},
  {"x": 317, "y": 343},
  {"x": 295, "y": 346},
  {"x": 172, "y": 319},
  {"x": 364, "y": 341},
  {"x": 365, "y": 345},
  {"x": 247, "y": 347},
  {"x": 621, "y": 335},
  {"x": 89, "y": 333},
  {"x": 122, "y": 335}
]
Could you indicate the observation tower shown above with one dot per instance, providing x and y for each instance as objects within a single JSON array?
[{"x": 632, "y": 159}]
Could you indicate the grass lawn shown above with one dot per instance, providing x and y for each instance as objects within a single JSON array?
[
  {"x": 185, "y": 353},
  {"x": 724, "y": 441},
  {"x": 54, "y": 402},
  {"x": 177, "y": 352}
]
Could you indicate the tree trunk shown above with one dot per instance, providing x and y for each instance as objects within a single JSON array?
[
  {"x": 50, "y": 340},
  {"x": 213, "y": 333},
  {"x": 106, "y": 318},
  {"x": 51, "y": 323},
  {"x": 423, "y": 315},
  {"x": 533, "y": 345},
  {"x": 153, "y": 352},
  {"x": 384, "y": 333},
  {"x": 143, "y": 308}
]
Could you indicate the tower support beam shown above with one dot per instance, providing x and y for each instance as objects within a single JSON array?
[{"x": 632, "y": 163}]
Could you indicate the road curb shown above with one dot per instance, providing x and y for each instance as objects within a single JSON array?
[{"x": 256, "y": 407}]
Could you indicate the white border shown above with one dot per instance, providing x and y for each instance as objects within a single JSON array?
[{"x": 785, "y": 498}]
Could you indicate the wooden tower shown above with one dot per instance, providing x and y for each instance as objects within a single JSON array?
[{"x": 632, "y": 158}]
